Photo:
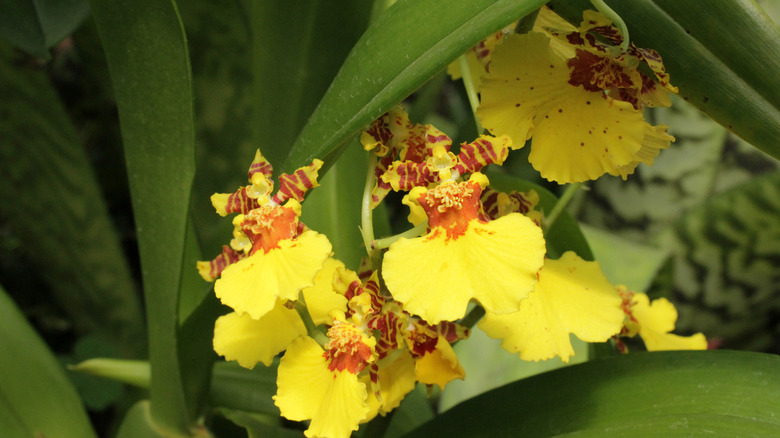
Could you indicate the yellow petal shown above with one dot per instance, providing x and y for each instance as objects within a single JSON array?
[
  {"x": 577, "y": 134},
  {"x": 253, "y": 284},
  {"x": 321, "y": 299},
  {"x": 440, "y": 366},
  {"x": 334, "y": 401},
  {"x": 572, "y": 296},
  {"x": 435, "y": 276},
  {"x": 656, "y": 320},
  {"x": 239, "y": 337},
  {"x": 396, "y": 379},
  {"x": 654, "y": 140}
]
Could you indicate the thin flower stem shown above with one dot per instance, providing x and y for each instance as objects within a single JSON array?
[
  {"x": 471, "y": 91},
  {"x": 366, "y": 217},
  {"x": 472, "y": 317},
  {"x": 311, "y": 328},
  {"x": 616, "y": 20},
  {"x": 387, "y": 241},
  {"x": 568, "y": 194}
]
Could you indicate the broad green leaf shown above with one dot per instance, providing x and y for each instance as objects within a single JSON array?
[
  {"x": 407, "y": 45},
  {"x": 149, "y": 65},
  {"x": 565, "y": 234},
  {"x": 719, "y": 55},
  {"x": 259, "y": 69},
  {"x": 415, "y": 409},
  {"x": 721, "y": 393},
  {"x": 196, "y": 351},
  {"x": 623, "y": 261},
  {"x": 36, "y": 25},
  {"x": 139, "y": 423},
  {"x": 334, "y": 207},
  {"x": 232, "y": 386},
  {"x": 51, "y": 199},
  {"x": 297, "y": 48},
  {"x": 36, "y": 397},
  {"x": 489, "y": 366},
  {"x": 257, "y": 426}
]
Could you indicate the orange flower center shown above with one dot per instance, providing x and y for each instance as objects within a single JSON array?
[
  {"x": 347, "y": 348},
  {"x": 452, "y": 206},
  {"x": 267, "y": 225}
]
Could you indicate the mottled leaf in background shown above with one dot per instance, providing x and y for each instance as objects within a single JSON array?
[{"x": 51, "y": 200}]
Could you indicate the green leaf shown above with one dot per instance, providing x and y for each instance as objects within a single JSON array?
[
  {"x": 232, "y": 386},
  {"x": 334, "y": 207},
  {"x": 722, "y": 393},
  {"x": 489, "y": 366},
  {"x": 148, "y": 61},
  {"x": 407, "y": 45},
  {"x": 297, "y": 48},
  {"x": 139, "y": 423},
  {"x": 257, "y": 426},
  {"x": 36, "y": 25},
  {"x": 52, "y": 202},
  {"x": 730, "y": 43},
  {"x": 565, "y": 234},
  {"x": 259, "y": 69},
  {"x": 36, "y": 397},
  {"x": 615, "y": 254}
]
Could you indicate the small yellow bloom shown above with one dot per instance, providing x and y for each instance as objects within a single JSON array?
[
  {"x": 463, "y": 257},
  {"x": 253, "y": 285},
  {"x": 572, "y": 296},
  {"x": 653, "y": 321},
  {"x": 581, "y": 107},
  {"x": 307, "y": 388}
]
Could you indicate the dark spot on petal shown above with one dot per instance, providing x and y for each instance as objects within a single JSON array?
[
  {"x": 620, "y": 137},
  {"x": 587, "y": 102},
  {"x": 560, "y": 110},
  {"x": 517, "y": 105},
  {"x": 582, "y": 143}
]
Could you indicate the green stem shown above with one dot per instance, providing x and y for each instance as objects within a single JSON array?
[
  {"x": 366, "y": 214},
  {"x": 408, "y": 234},
  {"x": 471, "y": 91},
  {"x": 616, "y": 20},
  {"x": 568, "y": 194},
  {"x": 311, "y": 328},
  {"x": 472, "y": 317}
]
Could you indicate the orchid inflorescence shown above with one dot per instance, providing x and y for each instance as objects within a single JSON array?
[{"x": 356, "y": 341}]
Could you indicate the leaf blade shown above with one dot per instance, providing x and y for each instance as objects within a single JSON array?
[
  {"x": 36, "y": 397},
  {"x": 148, "y": 60},
  {"x": 675, "y": 393},
  {"x": 395, "y": 56}
]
